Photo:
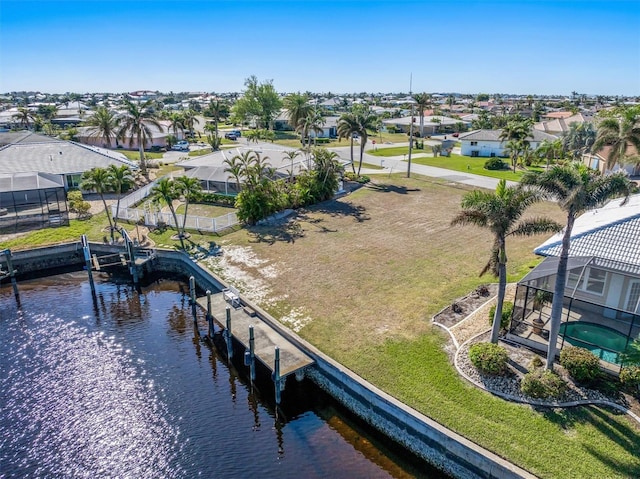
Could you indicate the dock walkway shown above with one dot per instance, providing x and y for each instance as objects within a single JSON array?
[{"x": 266, "y": 338}]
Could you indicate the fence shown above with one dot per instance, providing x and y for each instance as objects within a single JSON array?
[{"x": 156, "y": 218}]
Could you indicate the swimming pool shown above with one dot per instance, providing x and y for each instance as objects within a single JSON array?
[{"x": 604, "y": 342}]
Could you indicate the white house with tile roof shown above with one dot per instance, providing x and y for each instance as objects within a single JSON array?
[
  {"x": 487, "y": 143},
  {"x": 601, "y": 310}
]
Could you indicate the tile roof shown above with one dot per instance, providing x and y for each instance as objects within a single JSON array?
[
  {"x": 24, "y": 136},
  {"x": 57, "y": 157},
  {"x": 611, "y": 232}
]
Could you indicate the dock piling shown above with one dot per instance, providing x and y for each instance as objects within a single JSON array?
[
  {"x": 12, "y": 274},
  {"x": 88, "y": 261},
  {"x": 252, "y": 355},
  {"x": 228, "y": 335},
  {"x": 276, "y": 376},
  {"x": 209, "y": 314},
  {"x": 192, "y": 294}
]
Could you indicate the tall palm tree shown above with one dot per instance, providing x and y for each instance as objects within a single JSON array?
[
  {"x": 576, "y": 189},
  {"x": 165, "y": 190},
  {"x": 121, "y": 179},
  {"x": 99, "y": 180},
  {"x": 188, "y": 188},
  {"x": 237, "y": 164},
  {"x": 190, "y": 120},
  {"x": 298, "y": 107},
  {"x": 423, "y": 100},
  {"x": 103, "y": 124},
  {"x": 313, "y": 122},
  {"x": 218, "y": 109},
  {"x": 134, "y": 125},
  {"x": 550, "y": 150},
  {"x": 500, "y": 212},
  {"x": 176, "y": 123},
  {"x": 618, "y": 134},
  {"x": 366, "y": 120},
  {"x": 347, "y": 127},
  {"x": 24, "y": 117},
  {"x": 579, "y": 139}
]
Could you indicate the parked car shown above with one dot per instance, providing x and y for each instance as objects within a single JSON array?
[
  {"x": 233, "y": 135},
  {"x": 181, "y": 146}
]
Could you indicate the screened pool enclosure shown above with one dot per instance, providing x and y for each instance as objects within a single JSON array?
[{"x": 601, "y": 307}]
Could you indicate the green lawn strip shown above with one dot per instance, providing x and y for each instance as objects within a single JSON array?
[
  {"x": 468, "y": 164},
  {"x": 210, "y": 211},
  {"x": 396, "y": 151},
  {"x": 203, "y": 151},
  {"x": 94, "y": 227},
  {"x": 135, "y": 155}
]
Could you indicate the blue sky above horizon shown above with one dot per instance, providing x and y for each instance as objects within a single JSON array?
[{"x": 464, "y": 46}]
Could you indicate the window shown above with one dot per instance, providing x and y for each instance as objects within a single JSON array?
[
  {"x": 73, "y": 181},
  {"x": 592, "y": 281},
  {"x": 474, "y": 143}
]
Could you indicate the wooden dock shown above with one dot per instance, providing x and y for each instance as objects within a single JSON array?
[{"x": 266, "y": 338}]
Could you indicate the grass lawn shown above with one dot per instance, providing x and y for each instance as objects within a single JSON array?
[
  {"x": 135, "y": 155},
  {"x": 375, "y": 266},
  {"x": 210, "y": 211},
  {"x": 93, "y": 227},
  {"x": 204, "y": 151},
  {"x": 454, "y": 162}
]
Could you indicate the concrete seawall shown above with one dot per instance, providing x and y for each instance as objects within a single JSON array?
[{"x": 424, "y": 437}]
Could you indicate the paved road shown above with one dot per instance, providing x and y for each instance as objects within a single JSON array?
[{"x": 395, "y": 164}]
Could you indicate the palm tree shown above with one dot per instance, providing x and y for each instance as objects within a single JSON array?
[
  {"x": 618, "y": 134},
  {"x": 500, "y": 213},
  {"x": 176, "y": 123},
  {"x": 103, "y": 124},
  {"x": 189, "y": 119},
  {"x": 367, "y": 120},
  {"x": 99, "y": 180},
  {"x": 579, "y": 139},
  {"x": 121, "y": 179},
  {"x": 165, "y": 190},
  {"x": 24, "y": 116},
  {"x": 134, "y": 124},
  {"x": 347, "y": 127},
  {"x": 576, "y": 189},
  {"x": 298, "y": 107},
  {"x": 312, "y": 122},
  {"x": 291, "y": 155},
  {"x": 237, "y": 164},
  {"x": 423, "y": 100},
  {"x": 188, "y": 188},
  {"x": 549, "y": 150},
  {"x": 218, "y": 109}
]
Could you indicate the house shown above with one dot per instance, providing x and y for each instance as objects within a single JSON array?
[
  {"x": 487, "y": 143},
  {"x": 23, "y": 137},
  {"x": 158, "y": 138},
  {"x": 601, "y": 311},
  {"x": 561, "y": 125},
  {"x": 599, "y": 161},
  {"x": 32, "y": 201},
  {"x": 65, "y": 159},
  {"x": 431, "y": 124}
]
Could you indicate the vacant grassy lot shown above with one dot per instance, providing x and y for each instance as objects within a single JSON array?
[{"x": 361, "y": 277}]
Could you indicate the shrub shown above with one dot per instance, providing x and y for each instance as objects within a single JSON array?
[
  {"x": 495, "y": 163},
  {"x": 350, "y": 176},
  {"x": 581, "y": 364},
  {"x": 630, "y": 378},
  {"x": 216, "y": 199},
  {"x": 507, "y": 309},
  {"x": 363, "y": 179},
  {"x": 542, "y": 383},
  {"x": 536, "y": 363},
  {"x": 489, "y": 358}
]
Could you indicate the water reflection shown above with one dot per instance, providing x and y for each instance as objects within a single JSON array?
[{"x": 118, "y": 388}]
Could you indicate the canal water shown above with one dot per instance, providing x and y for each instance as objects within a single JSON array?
[{"x": 122, "y": 387}]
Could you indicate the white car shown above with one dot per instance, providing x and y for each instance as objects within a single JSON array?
[{"x": 181, "y": 146}]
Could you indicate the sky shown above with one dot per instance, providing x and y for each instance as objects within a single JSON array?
[{"x": 533, "y": 47}]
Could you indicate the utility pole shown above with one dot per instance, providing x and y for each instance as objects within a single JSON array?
[{"x": 410, "y": 127}]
